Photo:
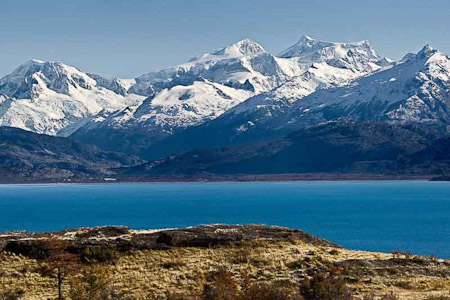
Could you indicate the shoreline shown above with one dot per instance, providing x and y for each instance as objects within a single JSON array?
[{"x": 317, "y": 177}]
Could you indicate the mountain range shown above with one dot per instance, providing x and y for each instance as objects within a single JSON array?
[{"x": 242, "y": 107}]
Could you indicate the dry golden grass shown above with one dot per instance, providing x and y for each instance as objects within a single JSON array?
[{"x": 144, "y": 274}]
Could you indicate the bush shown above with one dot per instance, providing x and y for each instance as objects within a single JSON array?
[
  {"x": 93, "y": 284},
  {"x": 99, "y": 254},
  {"x": 38, "y": 250},
  {"x": 326, "y": 286},
  {"x": 221, "y": 286}
]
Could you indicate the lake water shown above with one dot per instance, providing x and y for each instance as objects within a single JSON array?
[{"x": 372, "y": 215}]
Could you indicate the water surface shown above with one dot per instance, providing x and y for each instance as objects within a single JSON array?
[{"x": 371, "y": 215}]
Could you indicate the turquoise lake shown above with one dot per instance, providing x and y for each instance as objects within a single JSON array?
[{"x": 368, "y": 215}]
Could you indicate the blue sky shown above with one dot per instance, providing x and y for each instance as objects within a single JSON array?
[{"x": 129, "y": 37}]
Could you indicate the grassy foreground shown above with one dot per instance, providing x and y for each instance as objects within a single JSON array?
[{"x": 238, "y": 267}]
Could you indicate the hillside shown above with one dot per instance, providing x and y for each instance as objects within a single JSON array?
[
  {"x": 337, "y": 147},
  {"x": 27, "y": 156},
  {"x": 253, "y": 261}
]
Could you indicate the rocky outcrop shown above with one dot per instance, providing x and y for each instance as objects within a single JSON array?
[{"x": 122, "y": 238}]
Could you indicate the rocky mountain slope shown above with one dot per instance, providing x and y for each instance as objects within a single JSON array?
[{"x": 27, "y": 156}]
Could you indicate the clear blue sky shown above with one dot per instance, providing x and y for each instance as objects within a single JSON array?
[{"x": 129, "y": 37}]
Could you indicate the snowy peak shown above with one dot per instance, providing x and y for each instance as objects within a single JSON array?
[
  {"x": 427, "y": 58},
  {"x": 245, "y": 47},
  {"x": 54, "y": 98},
  {"x": 411, "y": 91},
  {"x": 178, "y": 107},
  {"x": 319, "y": 51},
  {"x": 242, "y": 65},
  {"x": 305, "y": 43},
  {"x": 34, "y": 76},
  {"x": 324, "y": 65},
  {"x": 426, "y": 52}
]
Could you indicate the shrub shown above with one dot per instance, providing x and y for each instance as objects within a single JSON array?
[
  {"x": 334, "y": 252},
  {"x": 38, "y": 250},
  {"x": 221, "y": 286},
  {"x": 326, "y": 286},
  {"x": 99, "y": 254},
  {"x": 399, "y": 254},
  {"x": 242, "y": 256},
  {"x": 92, "y": 284}
]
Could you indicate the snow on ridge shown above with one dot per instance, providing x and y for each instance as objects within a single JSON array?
[
  {"x": 308, "y": 46},
  {"x": 239, "y": 78},
  {"x": 52, "y": 98},
  {"x": 179, "y": 107}
]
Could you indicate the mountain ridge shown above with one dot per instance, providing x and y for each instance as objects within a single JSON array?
[
  {"x": 411, "y": 91},
  {"x": 305, "y": 79},
  {"x": 249, "y": 101}
]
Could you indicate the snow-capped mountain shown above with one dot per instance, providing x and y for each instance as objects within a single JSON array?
[
  {"x": 197, "y": 91},
  {"x": 416, "y": 90},
  {"x": 212, "y": 84},
  {"x": 324, "y": 64},
  {"x": 179, "y": 107},
  {"x": 168, "y": 112},
  {"x": 238, "y": 94},
  {"x": 242, "y": 65},
  {"x": 358, "y": 57},
  {"x": 54, "y": 98}
]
